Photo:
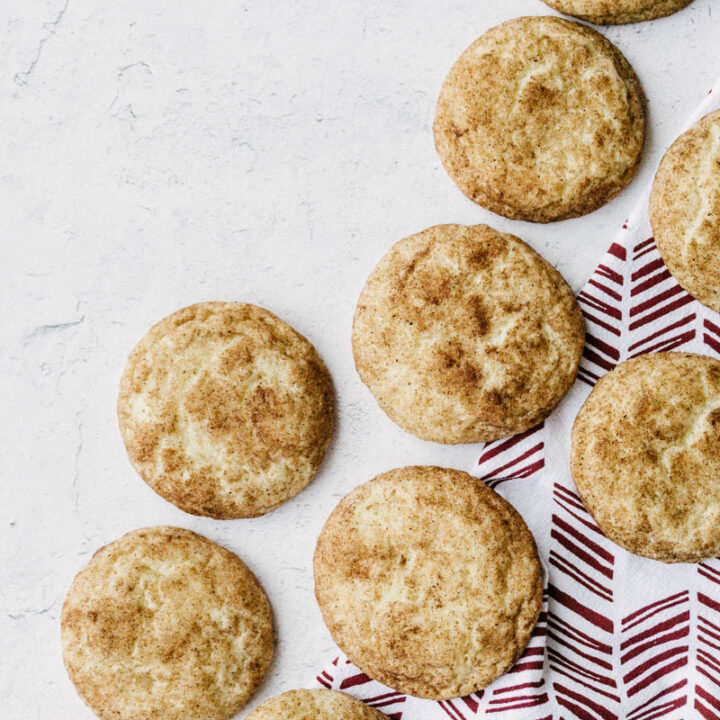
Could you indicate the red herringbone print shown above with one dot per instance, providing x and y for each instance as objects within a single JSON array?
[
  {"x": 462, "y": 708},
  {"x": 711, "y": 336},
  {"x": 577, "y": 551},
  {"x": 581, "y": 559},
  {"x": 580, "y": 627},
  {"x": 361, "y": 686},
  {"x": 601, "y": 304},
  {"x": 655, "y": 653},
  {"x": 707, "y": 661},
  {"x": 524, "y": 687},
  {"x": 658, "y": 653},
  {"x": 579, "y": 620},
  {"x": 512, "y": 458},
  {"x": 654, "y": 294}
]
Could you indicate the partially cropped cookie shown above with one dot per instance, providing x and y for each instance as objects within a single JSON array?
[
  {"x": 429, "y": 581},
  {"x": 165, "y": 625},
  {"x": 617, "y": 12},
  {"x": 464, "y": 334},
  {"x": 226, "y": 411},
  {"x": 315, "y": 705},
  {"x": 685, "y": 210},
  {"x": 646, "y": 456},
  {"x": 540, "y": 119}
]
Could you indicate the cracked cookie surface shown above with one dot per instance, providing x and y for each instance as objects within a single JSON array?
[
  {"x": 315, "y": 705},
  {"x": 464, "y": 334},
  {"x": 685, "y": 210},
  {"x": 540, "y": 119},
  {"x": 164, "y": 624},
  {"x": 646, "y": 456},
  {"x": 429, "y": 581},
  {"x": 225, "y": 410},
  {"x": 617, "y": 12}
]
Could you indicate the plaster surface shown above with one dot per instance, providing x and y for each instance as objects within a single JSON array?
[{"x": 155, "y": 154}]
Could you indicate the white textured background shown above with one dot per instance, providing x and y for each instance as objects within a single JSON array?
[{"x": 155, "y": 153}]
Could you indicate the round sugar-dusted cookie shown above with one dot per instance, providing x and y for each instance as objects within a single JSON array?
[
  {"x": 685, "y": 210},
  {"x": 646, "y": 456},
  {"x": 464, "y": 334},
  {"x": 617, "y": 12},
  {"x": 165, "y": 625},
  {"x": 429, "y": 581},
  {"x": 226, "y": 411},
  {"x": 315, "y": 705},
  {"x": 540, "y": 119}
]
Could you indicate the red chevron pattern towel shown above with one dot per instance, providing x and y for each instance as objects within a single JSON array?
[{"x": 620, "y": 637}]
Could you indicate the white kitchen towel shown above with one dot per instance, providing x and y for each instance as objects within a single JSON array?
[{"x": 620, "y": 637}]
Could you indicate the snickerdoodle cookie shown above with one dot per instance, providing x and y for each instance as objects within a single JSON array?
[
  {"x": 464, "y": 334},
  {"x": 226, "y": 411},
  {"x": 617, "y": 12},
  {"x": 540, "y": 119},
  {"x": 315, "y": 705},
  {"x": 429, "y": 581},
  {"x": 646, "y": 456},
  {"x": 165, "y": 625},
  {"x": 685, "y": 210}
]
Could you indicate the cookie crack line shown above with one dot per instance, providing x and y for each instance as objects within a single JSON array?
[
  {"x": 710, "y": 161},
  {"x": 694, "y": 427}
]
